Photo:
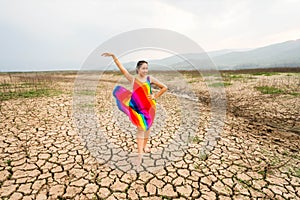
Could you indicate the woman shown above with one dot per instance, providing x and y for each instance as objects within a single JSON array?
[{"x": 140, "y": 104}]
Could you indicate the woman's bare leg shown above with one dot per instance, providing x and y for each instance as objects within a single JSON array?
[
  {"x": 140, "y": 144},
  {"x": 146, "y": 137},
  {"x": 140, "y": 140}
]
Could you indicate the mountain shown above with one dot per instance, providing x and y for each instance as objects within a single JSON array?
[{"x": 285, "y": 54}]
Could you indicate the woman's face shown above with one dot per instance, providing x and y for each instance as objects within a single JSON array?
[{"x": 143, "y": 71}]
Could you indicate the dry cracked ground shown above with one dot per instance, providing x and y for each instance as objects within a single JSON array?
[{"x": 73, "y": 143}]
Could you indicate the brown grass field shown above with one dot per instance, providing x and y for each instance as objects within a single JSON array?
[{"x": 43, "y": 155}]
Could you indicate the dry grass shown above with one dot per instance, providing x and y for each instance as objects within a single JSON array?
[{"x": 27, "y": 85}]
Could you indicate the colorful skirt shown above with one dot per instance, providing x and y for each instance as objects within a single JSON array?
[{"x": 136, "y": 105}]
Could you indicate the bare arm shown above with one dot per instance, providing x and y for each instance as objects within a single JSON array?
[
  {"x": 124, "y": 71},
  {"x": 163, "y": 88}
]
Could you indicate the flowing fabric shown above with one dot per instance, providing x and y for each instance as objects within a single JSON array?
[{"x": 136, "y": 104}]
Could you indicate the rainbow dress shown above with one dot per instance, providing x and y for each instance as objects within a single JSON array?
[{"x": 136, "y": 104}]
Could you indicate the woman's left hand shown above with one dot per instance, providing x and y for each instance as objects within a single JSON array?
[{"x": 151, "y": 96}]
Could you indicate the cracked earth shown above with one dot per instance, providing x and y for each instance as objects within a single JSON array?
[{"x": 52, "y": 149}]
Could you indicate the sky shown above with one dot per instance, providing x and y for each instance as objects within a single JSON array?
[{"x": 43, "y": 35}]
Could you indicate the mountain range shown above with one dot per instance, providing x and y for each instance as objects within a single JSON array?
[{"x": 285, "y": 54}]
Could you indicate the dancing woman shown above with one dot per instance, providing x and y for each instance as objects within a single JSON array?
[{"x": 140, "y": 104}]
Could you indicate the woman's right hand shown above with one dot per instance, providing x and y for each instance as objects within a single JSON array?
[
  {"x": 107, "y": 54},
  {"x": 120, "y": 66}
]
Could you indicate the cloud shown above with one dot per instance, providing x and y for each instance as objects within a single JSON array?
[
  {"x": 63, "y": 32},
  {"x": 240, "y": 24}
]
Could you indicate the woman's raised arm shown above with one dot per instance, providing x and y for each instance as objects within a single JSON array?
[{"x": 124, "y": 71}]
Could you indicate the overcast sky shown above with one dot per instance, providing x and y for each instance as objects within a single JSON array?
[{"x": 60, "y": 34}]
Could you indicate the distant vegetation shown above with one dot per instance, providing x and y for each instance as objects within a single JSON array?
[
  {"x": 31, "y": 85},
  {"x": 263, "y": 70},
  {"x": 219, "y": 84},
  {"x": 265, "y": 73},
  {"x": 31, "y": 93},
  {"x": 26, "y": 87},
  {"x": 269, "y": 90}
]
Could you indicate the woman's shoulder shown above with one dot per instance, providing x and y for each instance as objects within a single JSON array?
[{"x": 151, "y": 78}]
